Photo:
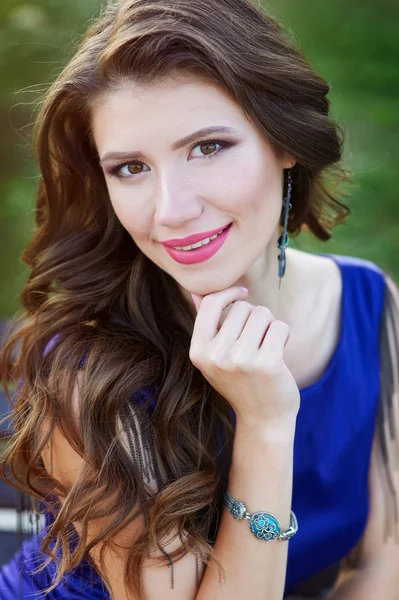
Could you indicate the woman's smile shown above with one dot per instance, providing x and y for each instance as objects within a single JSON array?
[{"x": 199, "y": 251}]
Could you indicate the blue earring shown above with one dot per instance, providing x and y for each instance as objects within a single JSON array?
[{"x": 283, "y": 240}]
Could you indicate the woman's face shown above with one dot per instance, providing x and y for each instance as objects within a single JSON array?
[{"x": 163, "y": 189}]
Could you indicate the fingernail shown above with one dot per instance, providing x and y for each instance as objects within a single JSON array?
[
  {"x": 243, "y": 288},
  {"x": 194, "y": 302}
]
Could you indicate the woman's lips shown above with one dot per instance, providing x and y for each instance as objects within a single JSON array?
[
  {"x": 190, "y": 257},
  {"x": 193, "y": 238}
]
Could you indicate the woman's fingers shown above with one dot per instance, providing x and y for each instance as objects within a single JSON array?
[
  {"x": 256, "y": 327},
  {"x": 233, "y": 324},
  {"x": 275, "y": 341},
  {"x": 196, "y": 300},
  {"x": 240, "y": 353},
  {"x": 210, "y": 311}
]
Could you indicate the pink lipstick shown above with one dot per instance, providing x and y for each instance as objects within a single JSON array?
[{"x": 204, "y": 252}]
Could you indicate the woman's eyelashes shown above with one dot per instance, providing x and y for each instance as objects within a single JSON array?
[{"x": 123, "y": 170}]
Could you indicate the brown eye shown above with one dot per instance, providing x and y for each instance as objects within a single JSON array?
[
  {"x": 131, "y": 168},
  {"x": 208, "y": 146},
  {"x": 209, "y": 149}
]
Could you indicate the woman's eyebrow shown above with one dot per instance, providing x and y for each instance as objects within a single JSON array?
[{"x": 175, "y": 146}]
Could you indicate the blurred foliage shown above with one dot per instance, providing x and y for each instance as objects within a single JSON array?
[
  {"x": 352, "y": 43},
  {"x": 355, "y": 46}
]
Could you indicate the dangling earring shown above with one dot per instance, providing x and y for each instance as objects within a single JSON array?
[{"x": 283, "y": 240}]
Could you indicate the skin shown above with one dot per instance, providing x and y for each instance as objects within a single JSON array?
[{"x": 170, "y": 193}]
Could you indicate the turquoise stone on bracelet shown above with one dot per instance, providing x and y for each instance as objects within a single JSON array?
[{"x": 264, "y": 526}]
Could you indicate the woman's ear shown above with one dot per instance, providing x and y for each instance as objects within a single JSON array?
[{"x": 288, "y": 162}]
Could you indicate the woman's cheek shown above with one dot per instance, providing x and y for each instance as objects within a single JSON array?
[
  {"x": 244, "y": 188},
  {"x": 135, "y": 224},
  {"x": 132, "y": 216}
]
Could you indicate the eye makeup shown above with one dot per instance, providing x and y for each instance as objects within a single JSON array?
[{"x": 115, "y": 170}]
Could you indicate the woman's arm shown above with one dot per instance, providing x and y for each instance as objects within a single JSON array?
[
  {"x": 241, "y": 354},
  {"x": 261, "y": 477}
]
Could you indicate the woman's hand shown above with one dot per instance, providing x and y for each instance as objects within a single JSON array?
[{"x": 242, "y": 357}]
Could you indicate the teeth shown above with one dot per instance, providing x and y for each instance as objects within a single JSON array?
[{"x": 198, "y": 244}]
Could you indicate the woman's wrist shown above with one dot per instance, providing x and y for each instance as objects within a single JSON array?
[{"x": 265, "y": 432}]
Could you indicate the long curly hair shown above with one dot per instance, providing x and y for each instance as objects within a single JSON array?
[{"x": 92, "y": 288}]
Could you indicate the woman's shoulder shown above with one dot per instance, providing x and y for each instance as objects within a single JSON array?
[
  {"x": 374, "y": 280},
  {"x": 360, "y": 277},
  {"x": 357, "y": 263},
  {"x": 323, "y": 267}
]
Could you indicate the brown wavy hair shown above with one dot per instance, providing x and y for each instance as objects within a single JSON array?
[{"x": 91, "y": 284}]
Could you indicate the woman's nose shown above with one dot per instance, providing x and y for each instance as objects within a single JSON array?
[{"x": 175, "y": 204}]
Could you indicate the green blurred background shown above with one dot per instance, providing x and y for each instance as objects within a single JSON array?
[{"x": 354, "y": 44}]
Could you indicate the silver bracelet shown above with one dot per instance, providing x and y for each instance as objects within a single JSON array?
[{"x": 263, "y": 525}]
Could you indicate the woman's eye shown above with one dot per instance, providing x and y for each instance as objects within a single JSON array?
[
  {"x": 208, "y": 149},
  {"x": 208, "y": 145},
  {"x": 130, "y": 169}
]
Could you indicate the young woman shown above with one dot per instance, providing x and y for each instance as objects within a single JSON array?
[{"x": 201, "y": 411}]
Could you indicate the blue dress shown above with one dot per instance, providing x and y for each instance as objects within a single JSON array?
[{"x": 332, "y": 452}]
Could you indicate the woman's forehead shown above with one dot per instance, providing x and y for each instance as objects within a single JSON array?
[
  {"x": 169, "y": 94},
  {"x": 162, "y": 110}
]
